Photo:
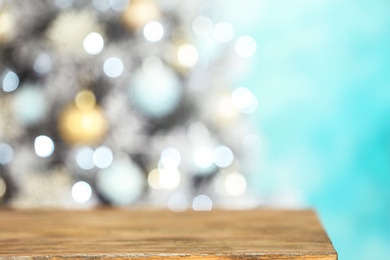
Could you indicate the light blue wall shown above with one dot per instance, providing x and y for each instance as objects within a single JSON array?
[{"x": 322, "y": 77}]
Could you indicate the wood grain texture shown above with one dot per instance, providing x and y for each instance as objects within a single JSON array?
[{"x": 118, "y": 234}]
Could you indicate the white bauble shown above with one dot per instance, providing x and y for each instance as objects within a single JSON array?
[
  {"x": 156, "y": 91},
  {"x": 121, "y": 183}
]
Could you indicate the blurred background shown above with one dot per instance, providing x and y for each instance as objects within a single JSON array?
[{"x": 200, "y": 105}]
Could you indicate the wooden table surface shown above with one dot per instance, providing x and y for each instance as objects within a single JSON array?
[{"x": 119, "y": 234}]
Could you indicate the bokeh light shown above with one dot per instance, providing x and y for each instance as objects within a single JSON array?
[
  {"x": 3, "y": 188},
  {"x": 84, "y": 158},
  {"x": 203, "y": 157},
  {"x": 103, "y": 157},
  {"x": 223, "y": 32},
  {"x": 101, "y": 5},
  {"x": 153, "y": 31},
  {"x": 81, "y": 192},
  {"x": 170, "y": 158},
  {"x": 8, "y": 23},
  {"x": 246, "y": 46},
  {"x": 119, "y": 5},
  {"x": 187, "y": 55},
  {"x": 42, "y": 63},
  {"x": 235, "y": 184},
  {"x": 202, "y": 203},
  {"x": 178, "y": 202},
  {"x": 6, "y": 153},
  {"x": 154, "y": 179},
  {"x": 244, "y": 100},
  {"x": 93, "y": 43},
  {"x": 44, "y": 146},
  {"x": 139, "y": 13},
  {"x": 223, "y": 156},
  {"x": 225, "y": 110},
  {"x": 9, "y": 80},
  {"x": 164, "y": 178},
  {"x": 85, "y": 100},
  {"x": 169, "y": 178},
  {"x": 202, "y": 26},
  {"x": 113, "y": 67}
]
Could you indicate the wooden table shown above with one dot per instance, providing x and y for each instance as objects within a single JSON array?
[{"x": 118, "y": 234}]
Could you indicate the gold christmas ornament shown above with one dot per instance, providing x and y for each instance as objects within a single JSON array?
[
  {"x": 139, "y": 13},
  {"x": 82, "y": 122}
]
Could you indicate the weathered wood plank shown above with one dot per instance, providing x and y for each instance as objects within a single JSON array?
[{"x": 119, "y": 234}]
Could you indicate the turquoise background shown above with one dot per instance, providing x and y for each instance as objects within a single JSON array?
[{"x": 322, "y": 77}]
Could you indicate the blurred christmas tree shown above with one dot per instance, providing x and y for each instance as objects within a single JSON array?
[{"x": 122, "y": 102}]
